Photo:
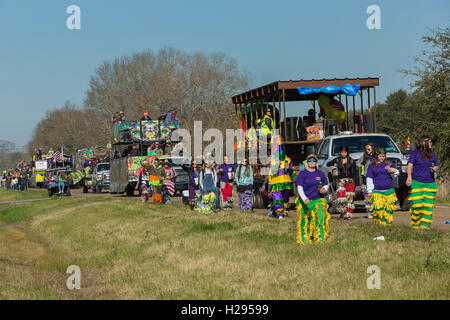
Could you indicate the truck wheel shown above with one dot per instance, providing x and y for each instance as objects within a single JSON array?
[
  {"x": 85, "y": 189},
  {"x": 99, "y": 190},
  {"x": 260, "y": 200},
  {"x": 130, "y": 191},
  {"x": 256, "y": 203},
  {"x": 68, "y": 193}
]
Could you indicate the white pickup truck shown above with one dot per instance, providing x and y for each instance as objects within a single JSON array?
[{"x": 328, "y": 148}]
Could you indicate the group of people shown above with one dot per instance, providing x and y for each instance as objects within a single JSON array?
[
  {"x": 17, "y": 179},
  {"x": 208, "y": 181},
  {"x": 378, "y": 188},
  {"x": 157, "y": 181},
  {"x": 312, "y": 187},
  {"x": 57, "y": 180}
]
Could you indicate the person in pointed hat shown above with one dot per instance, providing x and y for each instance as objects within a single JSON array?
[{"x": 280, "y": 179}]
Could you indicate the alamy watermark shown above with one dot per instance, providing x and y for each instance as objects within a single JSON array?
[
  {"x": 374, "y": 281},
  {"x": 74, "y": 20},
  {"x": 74, "y": 281},
  {"x": 239, "y": 145},
  {"x": 374, "y": 20}
]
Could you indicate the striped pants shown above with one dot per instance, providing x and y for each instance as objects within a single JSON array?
[
  {"x": 422, "y": 197},
  {"x": 313, "y": 220}
]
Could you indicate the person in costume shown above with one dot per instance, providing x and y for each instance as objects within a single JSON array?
[
  {"x": 363, "y": 163},
  {"x": 422, "y": 166},
  {"x": 62, "y": 180},
  {"x": 345, "y": 172},
  {"x": 155, "y": 177},
  {"x": 265, "y": 123},
  {"x": 145, "y": 189},
  {"x": 380, "y": 188},
  {"x": 312, "y": 206},
  {"x": 244, "y": 183},
  {"x": 280, "y": 179},
  {"x": 193, "y": 171},
  {"x": 227, "y": 172},
  {"x": 145, "y": 116},
  {"x": 209, "y": 199},
  {"x": 168, "y": 182}
]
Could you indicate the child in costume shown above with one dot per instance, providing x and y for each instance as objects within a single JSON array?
[
  {"x": 145, "y": 189},
  {"x": 155, "y": 177},
  {"x": 345, "y": 171},
  {"x": 381, "y": 189},
  {"x": 194, "y": 171},
  {"x": 364, "y": 163},
  {"x": 62, "y": 180},
  {"x": 422, "y": 165},
  {"x": 210, "y": 193},
  {"x": 312, "y": 206},
  {"x": 244, "y": 183},
  {"x": 280, "y": 178},
  {"x": 227, "y": 172},
  {"x": 168, "y": 182}
]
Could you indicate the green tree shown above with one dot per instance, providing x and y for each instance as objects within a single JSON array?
[{"x": 424, "y": 111}]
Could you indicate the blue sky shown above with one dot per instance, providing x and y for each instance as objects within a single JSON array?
[{"x": 43, "y": 64}]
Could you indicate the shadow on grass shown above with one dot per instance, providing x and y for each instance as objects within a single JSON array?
[{"x": 215, "y": 226}]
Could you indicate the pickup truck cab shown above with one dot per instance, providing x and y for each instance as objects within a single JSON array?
[
  {"x": 328, "y": 148},
  {"x": 100, "y": 177}
]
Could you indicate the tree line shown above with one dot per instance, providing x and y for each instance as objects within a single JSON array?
[
  {"x": 426, "y": 109},
  {"x": 198, "y": 86}
]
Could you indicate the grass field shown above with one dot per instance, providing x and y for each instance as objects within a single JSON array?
[
  {"x": 127, "y": 250},
  {"x": 23, "y": 195}
]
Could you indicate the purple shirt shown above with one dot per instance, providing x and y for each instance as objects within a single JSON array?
[
  {"x": 310, "y": 182},
  {"x": 227, "y": 168},
  {"x": 422, "y": 168},
  {"x": 380, "y": 175}
]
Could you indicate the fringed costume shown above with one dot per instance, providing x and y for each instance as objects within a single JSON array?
[
  {"x": 383, "y": 206},
  {"x": 345, "y": 186},
  {"x": 206, "y": 203},
  {"x": 155, "y": 176},
  {"x": 313, "y": 218},
  {"x": 209, "y": 199},
  {"x": 281, "y": 176},
  {"x": 383, "y": 199}
]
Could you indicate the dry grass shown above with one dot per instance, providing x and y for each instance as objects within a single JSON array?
[{"x": 128, "y": 250}]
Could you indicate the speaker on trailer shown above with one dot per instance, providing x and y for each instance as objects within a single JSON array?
[
  {"x": 331, "y": 127},
  {"x": 294, "y": 127},
  {"x": 291, "y": 128},
  {"x": 300, "y": 130},
  {"x": 369, "y": 125},
  {"x": 357, "y": 124}
]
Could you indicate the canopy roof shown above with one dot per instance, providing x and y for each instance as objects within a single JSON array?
[{"x": 273, "y": 91}]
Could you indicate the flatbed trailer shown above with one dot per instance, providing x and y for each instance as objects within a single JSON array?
[{"x": 275, "y": 95}]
